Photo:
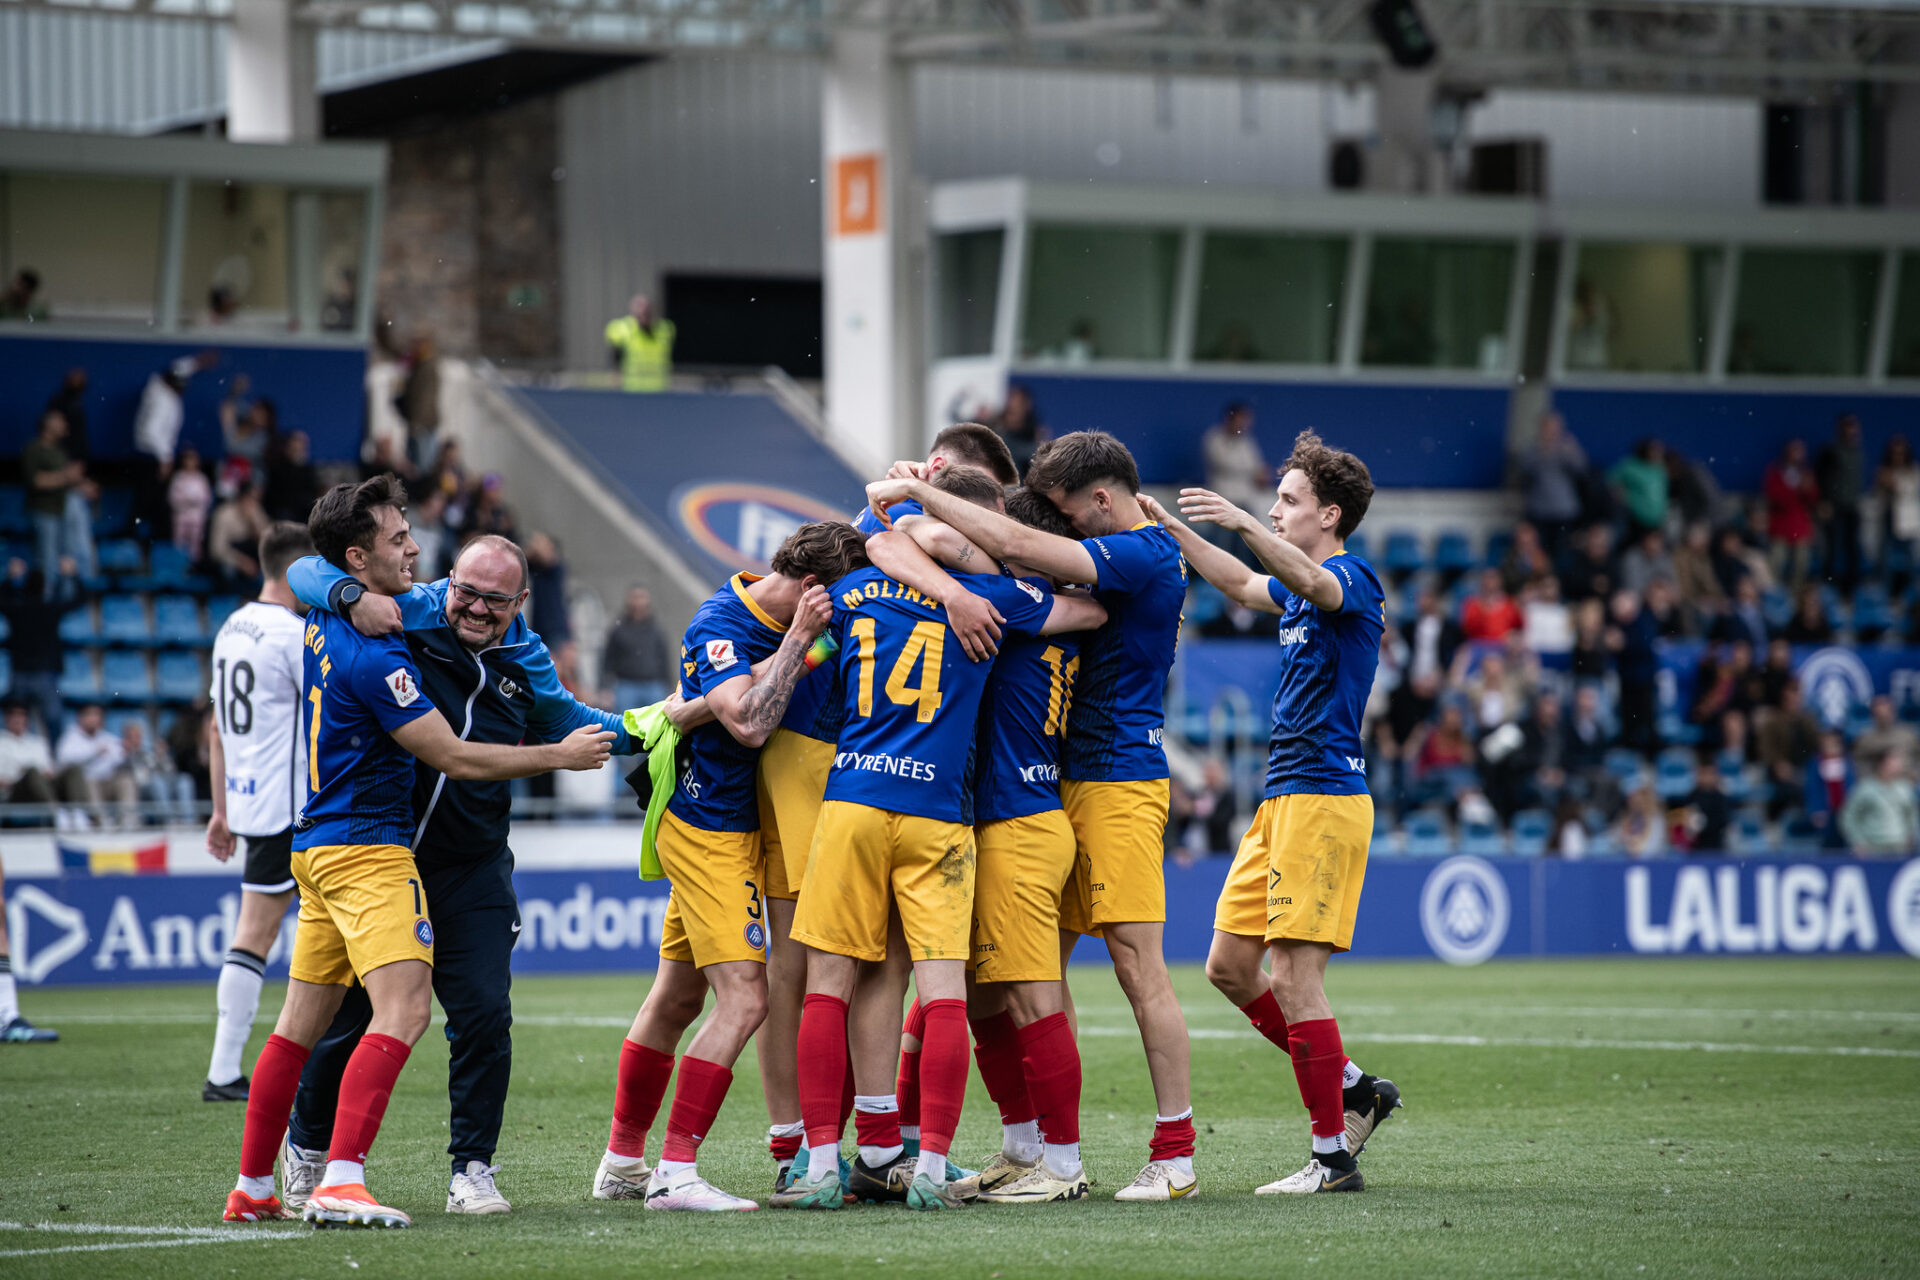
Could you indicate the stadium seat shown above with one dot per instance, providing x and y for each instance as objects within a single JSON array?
[
  {"x": 180, "y": 676},
  {"x": 1799, "y": 835},
  {"x": 78, "y": 629},
  {"x": 176, "y": 621},
  {"x": 219, "y": 609},
  {"x": 1426, "y": 834},
  {"x": 1403, "y": 552},
  {"x": 1626, "y": 766},
  {"x": 168, "y": 567},
  {"x": 1499, "y": 542},
  {"x": 1747, "y": 833},
  {"x": 1482, "y": 838},
  {"x": 1453, "y": 553},
  {"x": 1872, "y": 613},
  {"x": 1777, "y": 607},
  {"x": 13, "y": 509},
  {"x": 79, "y": 681},
  {"x": 1531, "y": 830},
  {"x": 6, "y": 672},
  {"x": 120, "y": 556},
  {"x": 1674, "y": 776},
  {"x": 125, "y": 676},
  {"x": 113, "y": 513},
  {"x": 123, "y": 621}
]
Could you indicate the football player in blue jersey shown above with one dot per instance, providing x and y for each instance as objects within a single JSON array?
[
  {"x": 1113, "y": 768},
  {"x": 1294, "y": 889},
  {"x": 710, "y": 847},
  {"x": 363, "y": 912}
]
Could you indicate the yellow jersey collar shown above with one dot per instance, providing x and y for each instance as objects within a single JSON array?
[{"x": 740, "y": 582}]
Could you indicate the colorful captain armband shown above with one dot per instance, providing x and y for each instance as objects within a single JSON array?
[{"x": 821, "y": 651}]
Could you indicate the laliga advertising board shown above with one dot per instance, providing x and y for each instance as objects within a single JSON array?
[{"x": 152, "y": 906}]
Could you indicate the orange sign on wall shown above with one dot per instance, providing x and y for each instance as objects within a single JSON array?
[{"x": 856, "y": 195}]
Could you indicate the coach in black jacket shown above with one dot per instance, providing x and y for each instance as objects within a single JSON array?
[{"x": 493, "y": 679}]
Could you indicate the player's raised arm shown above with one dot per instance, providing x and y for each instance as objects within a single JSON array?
[
  {"x": 1073, "y": 613},
  {"x": 320, "y": 585},
  {"x": 1217, "y": 565},
  {"x": 432, "y": 739},
  {"x": 749, "y": 706},
  {"x": 1293, "y": 567},
  {"x": 1000, "y": 537}
]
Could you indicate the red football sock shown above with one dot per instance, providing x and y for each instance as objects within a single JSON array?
[
  {"x": 877, "y": 1128},
  {"x": 1317, "y": 1060},
  {"x": 1052, "y": 1062},
  {"x": 822, "y": 1051},
  {"x": 696, "y": 1101},
  {"x": 907, "y": 1088},
  {"x": 276, "y": 1078},
  {"x": 784, "y": 1147},
  {"x": 641, "y": 1084},
  {"x": 1267, "y": 1019},
  {"x": 365, "y": 1086},
  {"x": 1172, "y": 1138},
  {"x": 997, "y": 1050},
  {"x": 943, "y": 1074}
]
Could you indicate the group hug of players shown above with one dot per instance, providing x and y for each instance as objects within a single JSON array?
[{"x": 926, "y": 746}]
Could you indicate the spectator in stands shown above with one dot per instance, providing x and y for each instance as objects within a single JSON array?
[
  {"x": 1534, "y": 773},
  {"x": 488, "y": 512},
  {"x": 1881, "y": 816},
  {"x": 1716, "y": 691},
  {"x": 1432, "y": 638},
  {"x": 1590, "y": 573},
  {"x": 1731, "y": 745},
  {"x": 1592, "y": 657},
  {"x": 189, "y": 500},
  {"x": 26, "y": 761},
  {"x": 1829, "y": 776},
  {"x": 233, "y": 538},
  {"x": 50, "y": 475},
  {"x": 637, "y": 659},
  {"x": 1207, "y": 823},
  {"x": 1642, "y": 832},
  {"x": 429, "y": 521},
  {"x": 419, "y": 402},
  {"x": 1734, "y": 558},
  {"x": 1490, "y": 613},
  {"x": 156, "y": 435},
  {"x": 1390, "y": 768},
  {"x": 1709, "y": 812},
  {"x": 187, "y": 742},
  {"x": 1662, "y": 602},
  {"x": 548, "y": 606},
  {"x": 1569, "y": 837},
  {"x": 1589, "y": 738},
  {"x": 92, "y": 765},
  {"x": 1887, "y": 733},
  {"x": 1500, "y": 691},
  {"x": 247, "y": 427},
  {"x": 70, "y": 402},
  {"x": 1897, "y": 482},
  {"x": 1792, "y": 495},
  {"x": 157, "y": 781},
  {"x": 1442, "y": 756},
  {"x": 1841, "y": 472},
  {"x": 1786, "y": 739},
  {"x": 380, "y": 458},
  {"x": 293, "y": 483},
  {"x": 33, "y": 613},
  {"x": 1549, "y": 622},
  {"x": 1236, "y": 469},
  {"x": 1553, "y": 483},
  {"x": 449, "y": 475},
  {"x": 1693, "y": 576},
  {"x": 1526, "y": 560},
  {"x": 1809, "y": 623},
  {"x": 1776, "y": 673},
  {"x": 1631, "y": 638},
  {"x": 1693, "y": 495},
  {"x": 1745, "y": 620},
  {"x": 1646, "y": 560},
  {"x": 1640, "y": 479},
  {"x": 1018, "y": 423},
  {"x": 21, "y": 299},
  {"x": 641, "y": 347}
]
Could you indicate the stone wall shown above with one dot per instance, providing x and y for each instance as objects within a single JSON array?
[{"x": 469, "y": 250}]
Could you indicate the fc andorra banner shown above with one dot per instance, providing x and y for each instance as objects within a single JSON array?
[{"x": 1463, "y": 910}]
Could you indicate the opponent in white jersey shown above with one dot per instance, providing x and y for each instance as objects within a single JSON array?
[{"x": 259, "y": 768}]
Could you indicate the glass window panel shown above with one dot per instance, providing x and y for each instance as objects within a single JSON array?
[
  {"x": 235, "y": 270},
  {"x": 1903, "y": 353},
  {"x": 1804, "y": 312},
  {"x": 1438, "y": 304},
  {"x": 93, "y": 242},
  {"x": 1642, "y": 308},
  {"x": 969, "y": 291},
  {"x": 343, "y": 226},
  {"x": 1099, "y": 293},
  {"x": 1270, "y": 299}
]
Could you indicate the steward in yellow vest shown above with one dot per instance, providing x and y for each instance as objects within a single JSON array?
[{"x": 641, "y": 347}]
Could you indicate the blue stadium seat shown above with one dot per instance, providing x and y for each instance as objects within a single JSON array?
[
  {"x": 1872, "y": 612},
  {"x": 1499, "y": 542},
  {"x": 1482, "y": 838},
  {"x": 1777, "y": 607},
  {"x": 181, "y": 678},
  {"x": 1453, "y": 553},
  {"x": 13, "y": 509},
  {"x": 125, "y": 677},
  {"x": 168, "y": 567},
  {"x": 113, "y": 514},
  {"x": 121, "y": 556},
  {"x": 1626, "y": 766},
  {"x": 79, "y": 682},
  {"x": 1531, "y": 830},
  {"x": 1426, "y": 832},
  {"x": 6, "y": 672},
  {"x": 1747, "y": 833},
  {"x": 77, "y": 628},
  {"x": 1674, "y": 775},
  {"x": 219, "y": 609},
  {"x": 1403, "y": 551},
  {"x": 120, "y": 717},
  {"x": 1204, "y": 603},
  {"x": 176, "y": 621},
  {"x": 123, "y": 620},
  {"x": 1799, "y": 835}
]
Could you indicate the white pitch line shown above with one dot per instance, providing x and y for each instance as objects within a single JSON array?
[
  {"x": 106, "y": 1229},
  {"x": 146, "y": 1237},
  {"x": 1541, "y": 1042}
]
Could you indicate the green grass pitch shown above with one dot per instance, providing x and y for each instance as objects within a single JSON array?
[{"x": 1629, "y": 1118}]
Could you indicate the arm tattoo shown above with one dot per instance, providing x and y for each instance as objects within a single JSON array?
[
  {"x": 766, "y": 702},
  {"x": 965, "y": 553}
]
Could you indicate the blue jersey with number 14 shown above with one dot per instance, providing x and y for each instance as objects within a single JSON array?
[{"x": 911, "y": 693}]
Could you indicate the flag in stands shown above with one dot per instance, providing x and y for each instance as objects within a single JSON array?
[{"x": 147, "y": 860}]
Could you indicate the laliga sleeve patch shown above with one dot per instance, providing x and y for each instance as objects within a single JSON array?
[
  {"x": 400, "y": 684},
  {"x": 1031, "y": 590},
  {"x": 720, "y": 654}
]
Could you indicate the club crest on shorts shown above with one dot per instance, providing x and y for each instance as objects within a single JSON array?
[
  {"x": 423, "y": 932},
  {"x": 756, "y": 936}
]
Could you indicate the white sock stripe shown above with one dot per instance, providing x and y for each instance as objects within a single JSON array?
[
  {"x": 246, "y": 960},
  {"x": 6, "y": 964},
  {"x": 1184, "y": 1115},
  {"x": 876, "y": 1104}
]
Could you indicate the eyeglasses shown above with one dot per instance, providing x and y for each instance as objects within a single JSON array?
[{"x": 491, "y": 601}]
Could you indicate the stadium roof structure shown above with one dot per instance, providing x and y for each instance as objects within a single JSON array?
[{"x": 1748, "y": 48}]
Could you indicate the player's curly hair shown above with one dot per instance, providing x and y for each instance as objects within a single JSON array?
[
  {"x": 977, "y": 446},
  {"x": 1338, "y": 478},
  {"x": 970, "y": 484},
  {"x": 827, "y": 549},
  {"x": 1082, "y": 458},
  {"x": 344, "y": 517},
  {"x": 1034, "y": 511}
]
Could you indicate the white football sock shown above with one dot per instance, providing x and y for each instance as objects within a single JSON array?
[
  {"x": 340, "y": 1172},
  {"x": 615, "y": 1158},
  {"x": 910, "y": 1132},
  {"x": 1062, "y": 1159},
  {"x": 821, "y": 1161},
  {"x": 1349, "y": 1075},
  {"x": 932, "y": 1165},
  {"x": 238, "y": 997},
  {"x": 1323, "y": 1146},
  {"x": 9, "y": 997},
  {"x": 1021, "y": 1141},
  {"x": 258, "y": 1188},
  {"x": 667, "y": 1168}
]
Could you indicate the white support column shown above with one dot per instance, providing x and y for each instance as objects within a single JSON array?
[
  {"x": 272, "y": 89},
  {"x": 866, "y": 135}
]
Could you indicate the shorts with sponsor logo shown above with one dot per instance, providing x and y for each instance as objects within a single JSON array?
[
  {"x": 861, "y": 855},
  {"x": 791, "y": 781},
  {"x": 1298, "y": 873},
  {"x": 1117, "y": 874},
  {"x": 362, "y": 907},
  {"x": 716, "y": 910},
  {"x": 1023, "y": 867},
  {"x": 269, "y": 862}
]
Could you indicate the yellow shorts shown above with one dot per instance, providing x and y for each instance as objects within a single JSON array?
[
  {"x": 714, "y": 912},
  {"x": 1024, "y": 864},
  {"x": 860, "y": 854},
  {"x": 1297, "y": 875},
  {"x": 1117, "y": 874},
  {"x": 361, "y": 907},
  {"x": 791, "y": 780}
]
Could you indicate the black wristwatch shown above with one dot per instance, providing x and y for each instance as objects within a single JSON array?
[{"x": 347, "y": 596}]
